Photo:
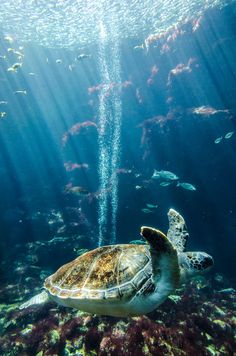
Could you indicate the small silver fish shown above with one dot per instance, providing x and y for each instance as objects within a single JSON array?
[
  {"x": 138, "y": 187},
  {"x": 19, "y": 54},
  {"x": 2, "y": 114},
  {"x": 71, "y": 66},
  {"x": 151, "y": 206},
  {"x": 58, "y": 61},
  {"x": 81, "y": 251},
  {"x": 165, "y": 184},
  {"x": 8, "y": 39},
  {"x": 76, "y": 190},
  {"x": 218, "y": 140},
  {"x": 146, "y": 211},
  {"x": 11, "y": 69},
  {"x": 139, "y": 47},
  {"x": 229, "y": 134},
  {"x": 164, "y": 175},
  {"x": 82, "y": 56},
  {"x": 187, "y": 186},
  {"x": 227, "y": 290},
  {"x": 17, "y": 65},
  {"x": 3, "y": 102}
]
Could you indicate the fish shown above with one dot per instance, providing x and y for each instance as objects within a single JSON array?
[
  {"x": 187, "y": 186},
  {"x": 165, "y": 184},
  {"x": 138, "y": 187},
  {"x": 139, "y": 47},
  {"x": 229, "y": 134},
  {"x": 146, "y": 211},
  {"x": 8, "y": 39},
  {"x": 138, "y": 242},
  {"x": 151, "y": 206},
  {"x": 58, "y": 61},
  {"x": 76, "y": 190},
  {"x": 82, "y": 56},
  {"x": 16, "y": 65},
  {"x": 164, "y": 175},
  {"x": 71, "y": 67},
  {"x": 19, "y": 54},
  {"x": 24, "y": 92},
  {"x": 207, "y": 111},
  {"x": 11, "y": 69},
  {"x": 227, "y": 290},
  {"x": 3, "y": 102},
  {"x": 218, "y": 140},
  {"x": 2, "y": 114},
  {"x": 81, "y": 251}
]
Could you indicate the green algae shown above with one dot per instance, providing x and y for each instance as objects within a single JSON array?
[
  {"x": 40, "y": 353},
  {"x": 27, "y": 330},
  {"x": 222, "y": 324},
  {"x": 219, "y": 311},
  {"x": 54, "y": 337},
  {"x": 174, "y": 298},
  {"x": 212, "y": 350}
]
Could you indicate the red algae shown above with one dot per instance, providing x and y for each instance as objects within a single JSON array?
[{"x": 80, "y": 128}]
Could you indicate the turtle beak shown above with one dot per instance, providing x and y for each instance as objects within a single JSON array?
[{"x": 208, "y": 262}]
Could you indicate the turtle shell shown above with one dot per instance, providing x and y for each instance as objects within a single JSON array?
[{"x": 109, "y": 272}]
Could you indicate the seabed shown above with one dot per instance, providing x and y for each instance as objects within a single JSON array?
[{"x": 197, "y": 320}]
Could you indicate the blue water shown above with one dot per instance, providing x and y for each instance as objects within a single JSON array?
[
  {"x": 80, "y": 139},
  {"x": 32, "y": 154}
]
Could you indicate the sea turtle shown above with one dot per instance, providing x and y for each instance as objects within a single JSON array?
[{"x": 126, "y": 279}]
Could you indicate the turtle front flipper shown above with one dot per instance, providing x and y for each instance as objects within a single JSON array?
[
  {"x": 177, "y": 232},
  {"x": 157, "y": 240},
  {"x": 164, "y": 260},
  {"x": 40, "y": 298}
]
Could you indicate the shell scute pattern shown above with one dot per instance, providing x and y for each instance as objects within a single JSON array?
[
  {"x": 110, "y": 272},
  {"x": 71, "y": 275},
  {"x": 103, "y": 269}
]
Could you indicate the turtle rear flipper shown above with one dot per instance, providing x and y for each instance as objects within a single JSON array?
[{"x": 40, "y": 298}]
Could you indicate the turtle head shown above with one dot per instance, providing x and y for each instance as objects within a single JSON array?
[{"x": 194, "y": 263}]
